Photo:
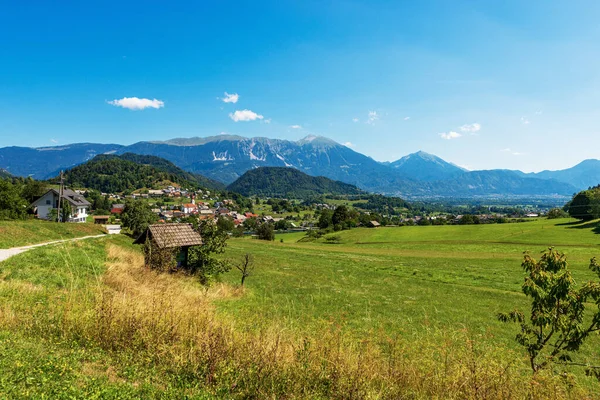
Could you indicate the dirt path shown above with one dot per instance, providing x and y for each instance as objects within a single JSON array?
[{"x": 7, "y": 253}]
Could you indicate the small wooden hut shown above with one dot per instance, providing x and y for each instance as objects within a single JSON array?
[{"x": 171, "y": 236}]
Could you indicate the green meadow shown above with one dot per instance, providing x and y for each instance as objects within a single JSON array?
[
  {"x": 404, "y": 280},
  {"x": 399, "y": 312},
  {"x": 23, "y": 233}
]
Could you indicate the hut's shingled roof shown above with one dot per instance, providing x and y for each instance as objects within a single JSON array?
[{"x": 171, "y": 235}]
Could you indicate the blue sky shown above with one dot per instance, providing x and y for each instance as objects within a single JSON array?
[{"x": 511, "y": 84}]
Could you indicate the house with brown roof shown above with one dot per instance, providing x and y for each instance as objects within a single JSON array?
[
  {"x": 170, "y": 236},
  {"x": 373, "y": 224}
]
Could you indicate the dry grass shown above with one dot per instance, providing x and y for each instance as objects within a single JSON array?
[{"x": 166, "y": 321}]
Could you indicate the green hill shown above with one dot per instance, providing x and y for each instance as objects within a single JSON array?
[
  {"x": 128, "y": 172},
  {"x": 289, "y": 183}
]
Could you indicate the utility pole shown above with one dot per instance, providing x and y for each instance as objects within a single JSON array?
[{"x": 60, "y": 195}]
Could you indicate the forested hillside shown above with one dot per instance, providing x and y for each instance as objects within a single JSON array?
[
  {"x": 288, "y": 182},
  {"x": 115, "y": 174}
]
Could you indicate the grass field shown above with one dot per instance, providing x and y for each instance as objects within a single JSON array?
[
  {"x": 404, "y": 312},
  {"x": 22, "y": 233},
  {"x": 405, "y": 280}
]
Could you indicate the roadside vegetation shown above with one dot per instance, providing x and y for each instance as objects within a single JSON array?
[{"x": 25, "y": 232}]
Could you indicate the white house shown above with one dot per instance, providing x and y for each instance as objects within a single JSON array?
[
  {"x": 189, "y": 208},
  {"x": 79, "y": 205}
]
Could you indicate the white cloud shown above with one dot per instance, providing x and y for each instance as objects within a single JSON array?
[
  {"x": 373, "y": 116},
  {"x": 134, "y": 103},
  {"x": 231, "y": 98},
  {"x": 514, "y": 153},
  {"x": 223, "y": 133},
  {"x": 54, "y": 140},
  {"x": 450, "y": 135},
  {"x": 524, "y": 121},
  {"x": 349, "y": 144},
  {"x": 267, "y": 121},
  {"x": 539, "y": 112},
  {"x": 406, "y": 118},
  {"x": 354, "y": 119},
  {"x": 245, "y": 115},
  {"x": 471, "y": 128},
  {"x": 295, "y": 127}
]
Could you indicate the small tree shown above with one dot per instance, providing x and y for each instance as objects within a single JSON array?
[
  {"x": 202, "y": 259},
  {"x": 557, "y": 326},
  {"x": 66, "y": 211},
  {"x": 137, "y": 215},
  {"x": 265, "y": 231},
  {"x": 246, "y": 266},
  {"x": 556, "y": 213}
]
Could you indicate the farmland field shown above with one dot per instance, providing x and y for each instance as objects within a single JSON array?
[
  {"x": 386, "y": 312},
  {"x": 406, "y": 280}
]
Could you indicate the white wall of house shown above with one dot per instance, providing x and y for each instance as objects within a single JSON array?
[
  {"x": 45, "y": 204},
  {"x": 49, "y": 201},
  {"x": 79, "y": 214}
]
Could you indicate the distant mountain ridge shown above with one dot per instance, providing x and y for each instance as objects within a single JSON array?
[
  {"x": 583, "y": 175},
  {"x": 288, "y": 182},
  {"x": 423, "y": 166},
  {"x": 225, "y": 158}
]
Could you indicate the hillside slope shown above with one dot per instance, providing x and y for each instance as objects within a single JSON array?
[
  {"x": 115, "y": 174},
  {"x": 288, "y": 182}
]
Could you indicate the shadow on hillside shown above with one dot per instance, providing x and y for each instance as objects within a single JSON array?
[
  {"x": 572, "y": 223},
  {"x": 594, "y": 226}
]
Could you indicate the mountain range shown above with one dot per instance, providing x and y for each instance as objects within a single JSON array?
[{"x": 225, "y": 158}]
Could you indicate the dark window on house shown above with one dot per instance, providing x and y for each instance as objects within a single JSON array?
[{"x": 48, "y": 202}]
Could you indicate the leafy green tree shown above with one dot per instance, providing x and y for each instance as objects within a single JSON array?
[
  {"x": 266, "y": 231},
  {"x": 560, "y": 321},
  {"x": 251, "y": 224},
  {"x": 225, "y": 224},
  {"x": 136, "y": 216},
  {"x": 340, "y": 215},
  {"x": 583, "y": 205},
  {"x": 203, "y": 260},
  {"x": 33, "y": 190},
  {"x": 282, "y": 225},
  {"x": 12, "y": 204},
  {"x": 325, "y": 219}
]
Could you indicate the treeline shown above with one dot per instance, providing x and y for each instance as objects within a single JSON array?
[
  {"x": 16, "y": 196},
  {"x": 373, "y": 202}
]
